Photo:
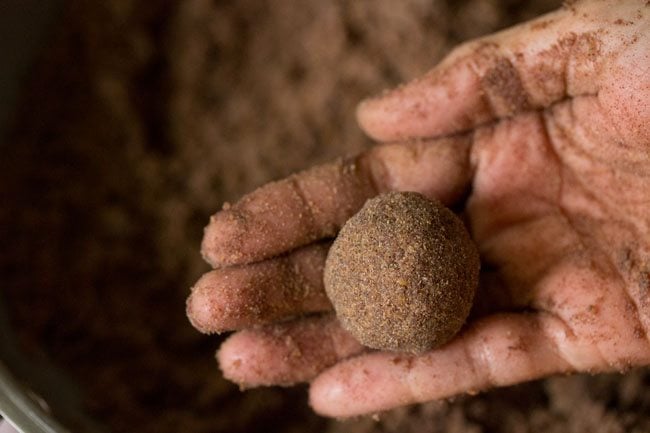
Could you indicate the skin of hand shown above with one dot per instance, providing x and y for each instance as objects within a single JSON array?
[{"x": 540, "y": 136}]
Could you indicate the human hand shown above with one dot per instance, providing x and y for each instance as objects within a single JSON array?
[{"x": 540, "y": 136}]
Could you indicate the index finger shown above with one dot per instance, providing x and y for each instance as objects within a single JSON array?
[
  {"x": 526, "y": 67},
  {"x": 315, "y": 203}
]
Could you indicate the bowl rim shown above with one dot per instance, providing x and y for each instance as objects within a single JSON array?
[{"x": 22, "y": 409}]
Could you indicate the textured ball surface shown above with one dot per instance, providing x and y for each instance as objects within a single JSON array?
[{"x": 402, "y": 273}]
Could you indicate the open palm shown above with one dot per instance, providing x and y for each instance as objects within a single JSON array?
[{"x": 540, "y": 137}]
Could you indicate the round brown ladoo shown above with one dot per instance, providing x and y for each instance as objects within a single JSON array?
[{"x": 402, "y": 273}]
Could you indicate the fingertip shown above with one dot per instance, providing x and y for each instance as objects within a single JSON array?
[
  {"x": 328, "y": 396},
  {"x": 235, "y": 359},
  {"x": 251, "y": 359},
  {"x": 265, "y": 357},
  {"x": 389, "y": 116},
  {"x": 222, "y": 239},
  {"x": 201, "y": 311},
  {"x": 369, "y": 118},
  {"x": 357, "y": 386},
  {"x": 220, "y": 302}
]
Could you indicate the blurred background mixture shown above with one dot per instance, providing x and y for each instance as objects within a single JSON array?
[{"x": 138, "y": 121}]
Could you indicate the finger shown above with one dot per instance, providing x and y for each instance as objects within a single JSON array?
[
  {"x": 285, "y": 354},
  {"x": 529, "y": 66},
  {"x": 260, "y": 293},
  {"x": 497, "y": 351},
  {"x": 283, "y": 215},
  {"x": 314, "y": 204}
]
